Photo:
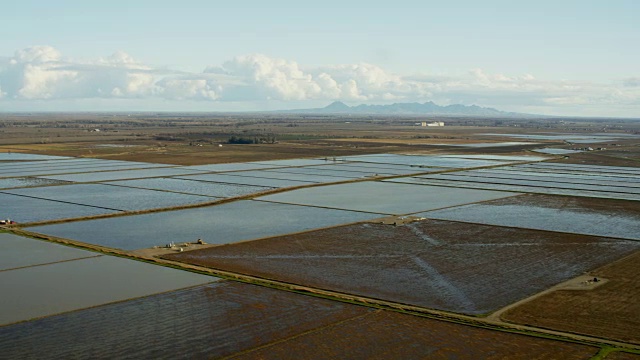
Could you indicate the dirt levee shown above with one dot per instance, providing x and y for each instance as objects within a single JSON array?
[{"x": 611, "y": 310}]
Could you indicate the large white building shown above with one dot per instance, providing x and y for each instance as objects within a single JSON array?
[{"x": 435, "y": 123}]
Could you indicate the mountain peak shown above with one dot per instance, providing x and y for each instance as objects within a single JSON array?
[
  {"x": 428, "y": 108},
  {"x": 337, "y": 106}
]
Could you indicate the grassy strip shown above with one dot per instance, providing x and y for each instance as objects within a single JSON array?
[{"x": 602, "y": 354}]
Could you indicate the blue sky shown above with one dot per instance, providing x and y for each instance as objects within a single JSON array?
[{"x": 549, "y": 57}]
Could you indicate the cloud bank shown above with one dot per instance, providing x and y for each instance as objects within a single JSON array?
[{"x": 42, "y": 73}]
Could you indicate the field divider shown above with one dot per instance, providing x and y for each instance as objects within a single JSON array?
[{"x": 51, "y": 263}]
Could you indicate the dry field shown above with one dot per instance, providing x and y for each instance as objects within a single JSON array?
[
  {"x": 624, "y": 156},
  {"x": 166, "y": 138},
  {"x": 610, "y": 311},
  {"x": 388, "y": 335},
  {"x": 445, "y": 265}
]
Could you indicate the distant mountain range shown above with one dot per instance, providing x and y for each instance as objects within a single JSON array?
[{"x": 427, "y": 108}]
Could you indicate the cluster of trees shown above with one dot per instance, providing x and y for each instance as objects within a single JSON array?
[{"x": 268, "y": 139}]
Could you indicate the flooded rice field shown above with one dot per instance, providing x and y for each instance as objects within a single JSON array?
[
  {"x": 574, "y": 138},
  {"x": 308, "y": 178},
  {"x": 429, "y": 161},
  {"x": 45, "y": 164},
  {"x": 591, "y": 169},
  {"x": 390, "y": 198},
  {"x": 13, "y": 156},
  {"x": 599, "y": 217},
  {"x": 26, "y": 210},
  {"x": 123, "y": 174},
  {"x": 532, "y": 181},
  {"x": 110, "y": 197},
  {"x": 230, "y": 167},
  {"x": 231, "y": 178},
  {"x": 498, "y": 157},
  {"x": 467, "y": 268},
  {"x": 409, "y": 169},
  {"x": 298, "y": 162},
  {"x": 489, "y": 144},
  {"x": 336, "y": 175},
  {"x": 55, "y": 288},
  {"x": 516, "y": 188},
  {"x": 70, "y": 167},
  {"x": 556, "y": 151},
  {"x": 560, "y": 176},
  {"x": 209, "y": 321},
  {"x": 18, "y": 252},
  {"x": 12, "y": 183},
  {"x": 194, "y": 187},
  {"x": 375, "y": 169},
  {"x": 220, "y": 224}
]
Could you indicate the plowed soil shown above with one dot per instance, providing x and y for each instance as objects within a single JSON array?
[
  {"x": 459, "y": 267},
  {"x": 611, "y": 310},
  {"x": 199, "y": 323},
  {"x": 387, "y": 335},
  {"x": 622, "y": 356}
]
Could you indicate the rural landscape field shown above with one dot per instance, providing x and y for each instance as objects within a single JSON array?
[{"x": 149, "y": 235}]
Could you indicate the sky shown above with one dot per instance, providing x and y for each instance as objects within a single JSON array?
[{"x": 571, "y": 58}]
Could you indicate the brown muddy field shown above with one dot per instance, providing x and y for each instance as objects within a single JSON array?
[
  {"x": 611, "y": 311},
  {"x": 468, "y": 268},
  {"x": 629, "y": 208},
  {"x": 207, "y": 321},
  {"x": 388, "y": 335},
  {"x": 622, "y": 356},
  {"x": 191, "y": 139},
  {"x": 624, "y": 153}
]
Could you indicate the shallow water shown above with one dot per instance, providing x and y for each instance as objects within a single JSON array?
[
  {"x": 111, "y": 197},
  {"x": 229, "y": 167},
  {"x": 209, "y": 321},
  {"x": 296, "y": 162},
  {"x": 24, "y": 182},
  {"x": 383, "y": 197},
  {"x": 537, "y": 182},
  {"x": 232, "y": 178},
  {"x": 24, "y": 209},
  {"x": 12, "y": 156},
  {"x": 283, "y": 175},
  {"x": 499, "y": 157},
  {"x": 220, "y": 224},
  {"x": 195, "y": 187},
  {"x": 488, "y": 145},
  {"x": 553, "y": 151},
  {"x": 578, "y": 221},
  {"x": 77, "y": 284},
  {"x": 429, "y": 161},
  {"x": 123, "y": 174},
  {"x": 17, "y": 251},
  {"x": 515, "y": 188}
]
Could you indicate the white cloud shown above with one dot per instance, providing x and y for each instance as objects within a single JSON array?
[
  {"x": 184, "y": 89},
  {"x": 274, "y": 78},
  {"x": 43, "y": 73},
  {"x": 37, "y": 55}
]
